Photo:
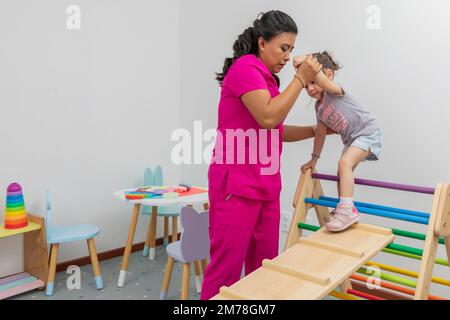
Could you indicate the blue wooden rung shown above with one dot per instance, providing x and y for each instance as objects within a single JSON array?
[
  {"x": 385, "y": 208},
  {"x": 372, "y": 211}
]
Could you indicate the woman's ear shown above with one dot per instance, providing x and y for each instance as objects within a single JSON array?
[{"x": 261, "y": 43}]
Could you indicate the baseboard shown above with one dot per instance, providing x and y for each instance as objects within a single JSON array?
[{"x": 106, "y": 255}]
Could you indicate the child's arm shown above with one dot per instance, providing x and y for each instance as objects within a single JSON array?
[
  {"x": 327, "y": 84},
  {"x": 319, "y": 141}
]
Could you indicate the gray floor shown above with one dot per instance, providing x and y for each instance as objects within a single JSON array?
[{"x": 143, "y": 281}]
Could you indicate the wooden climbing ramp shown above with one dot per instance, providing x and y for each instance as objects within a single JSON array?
[{"x": 313, "y": 267}]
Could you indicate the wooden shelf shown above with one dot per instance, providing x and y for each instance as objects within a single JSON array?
[
  {"x": 35, "y": 258},
  {"x": 19, "y": 283},
  {"x": 12, "y": 232}
]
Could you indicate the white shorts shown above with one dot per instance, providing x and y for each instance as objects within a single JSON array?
[{"x": 371, "y": 142}]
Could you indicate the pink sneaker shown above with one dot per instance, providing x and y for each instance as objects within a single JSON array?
[
  {"x": 330, "y": 216},
  {"x": 345, "y": 216}
]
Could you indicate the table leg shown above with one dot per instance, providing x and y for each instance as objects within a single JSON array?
[
  {"x": 174, "y": 229},
  {"x": 153, "y": 223},
  {"x": 129, "y": 244},
  {"x": 166, "y": 231}
]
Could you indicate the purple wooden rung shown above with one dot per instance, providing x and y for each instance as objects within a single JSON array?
[{"x": 379, "y": 184}]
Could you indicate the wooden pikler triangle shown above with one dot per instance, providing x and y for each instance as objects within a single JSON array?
[{"x": 312, "y": 267}]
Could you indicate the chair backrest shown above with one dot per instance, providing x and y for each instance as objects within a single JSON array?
[
  {"x": 148, "y": 177},
  {"x": 48, "y": 215},
  {"x": 148, "y": 181},
  {"x": 158, "y": 176},
  {"x": 155, "y": 178},
  {"x": 194, "y": 240}
]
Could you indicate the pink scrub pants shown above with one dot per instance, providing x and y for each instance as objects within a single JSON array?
[{"x": 241, "y": 230}]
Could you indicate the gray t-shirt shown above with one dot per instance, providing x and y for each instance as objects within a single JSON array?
[{"x": 346, "y": 116}]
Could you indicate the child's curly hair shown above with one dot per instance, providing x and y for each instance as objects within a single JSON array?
[{"x": 326, "y": 60}]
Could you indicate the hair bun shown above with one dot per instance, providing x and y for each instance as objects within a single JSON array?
[{"x": 327, "y": 61}]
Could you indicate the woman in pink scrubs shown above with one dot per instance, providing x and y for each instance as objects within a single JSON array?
[{"x": 244, "y": 176}]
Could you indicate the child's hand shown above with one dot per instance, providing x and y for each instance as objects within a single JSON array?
[
  {"x": 298, "y": 60},
  {"x": 309, "y": 165}
]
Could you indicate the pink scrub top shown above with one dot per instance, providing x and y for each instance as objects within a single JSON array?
[{"x": 256, "y": 179}]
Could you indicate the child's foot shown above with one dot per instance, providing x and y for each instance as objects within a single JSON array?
[{"x": 345, "y": 216}]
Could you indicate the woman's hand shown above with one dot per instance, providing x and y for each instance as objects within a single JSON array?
[
  {"x": 298, "y": 60},
  {"x": 308, "y": 69},
  {"x": 309, "y": 165}
]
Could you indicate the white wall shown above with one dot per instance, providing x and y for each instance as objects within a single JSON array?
[
  {"x": 399, "y": 72},
  {"x": 83, "y": 112}
]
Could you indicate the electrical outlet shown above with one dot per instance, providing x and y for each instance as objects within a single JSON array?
[{"x": 286, "y": 218}]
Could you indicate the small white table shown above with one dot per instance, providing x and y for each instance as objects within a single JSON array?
[{"x": 188, "y": 200}]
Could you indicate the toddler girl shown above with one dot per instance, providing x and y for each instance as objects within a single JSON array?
[{"x": 338, "y": 110}]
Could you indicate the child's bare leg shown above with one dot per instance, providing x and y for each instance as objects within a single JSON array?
[
  {"x": 339, "y": 184},
  {"x": 346, "y": 213},
  {"x": 348, "y": 162}
]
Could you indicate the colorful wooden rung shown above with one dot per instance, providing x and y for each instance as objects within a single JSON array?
[
  {"x": 378, "y": 184},
  {"x": 394, "y": 287},
  {"x": 384, "y": 208},
  {"x": 363, "y": 295},
  {"x": 375, "y": 212}
]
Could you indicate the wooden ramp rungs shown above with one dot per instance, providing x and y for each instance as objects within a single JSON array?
[
  {"x": 371, "y": 228},
  {"x": 331, "y": 247},
  {"x": 293, "y": 272},
  {"x": 313, "y": 267},
  {"x": 229, "y": 294}
]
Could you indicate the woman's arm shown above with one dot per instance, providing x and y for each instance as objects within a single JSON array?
[
  {"x": 268, "y": 111},
  {"x": 297, "y": 133},
  {"x": 319, "y": 142},
  {"x": 327, "y": 84}
]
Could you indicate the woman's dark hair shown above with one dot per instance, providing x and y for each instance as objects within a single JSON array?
[
  {"x": 268, "y": 26},
  {"x": 327, "y": 61}
]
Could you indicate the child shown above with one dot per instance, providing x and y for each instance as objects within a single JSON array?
[{"x": 337, "y": 110}]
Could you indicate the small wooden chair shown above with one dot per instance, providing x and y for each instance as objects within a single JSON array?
[
  {"x": 156, "y": 179},
  {"x": 57, "y": 235},
  {"x": 193, "y": 247}
]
